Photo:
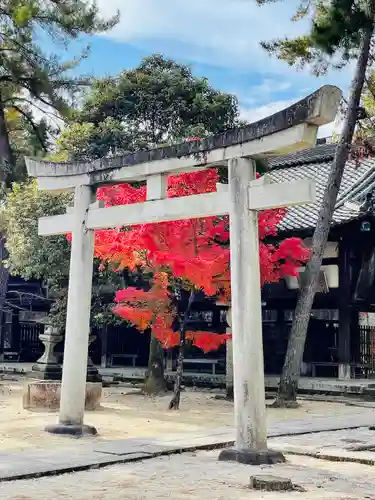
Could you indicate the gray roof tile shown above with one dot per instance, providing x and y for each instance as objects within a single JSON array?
[{"x": 316, "y": 163}]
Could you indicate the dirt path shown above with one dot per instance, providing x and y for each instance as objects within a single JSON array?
[{"x": 126, "y": 414}]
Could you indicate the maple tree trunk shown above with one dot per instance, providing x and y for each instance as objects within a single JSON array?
[
  {"x": 155, "y": 381},
  {"x": 175, "y": 401},
  {"x": 287, "y": 392}
]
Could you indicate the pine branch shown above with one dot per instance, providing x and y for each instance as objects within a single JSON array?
[{"x": 33, "y": 125}]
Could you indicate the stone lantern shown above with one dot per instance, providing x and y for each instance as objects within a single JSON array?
[
  {"x": 44, "y": 391},
  {"x": 47, "y": 367}
]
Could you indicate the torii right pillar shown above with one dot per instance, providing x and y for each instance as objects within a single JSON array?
[{"x": 249, "y": 391}]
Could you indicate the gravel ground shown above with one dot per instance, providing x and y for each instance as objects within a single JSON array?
[
  {"x": 192, "y": 476},
  {"x": 126, "y": 414}
]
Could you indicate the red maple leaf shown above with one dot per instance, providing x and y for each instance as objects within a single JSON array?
[{"x": 194, "y": 251}]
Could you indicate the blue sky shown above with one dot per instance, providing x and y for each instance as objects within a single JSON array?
[{"x": 220, "y": 39}]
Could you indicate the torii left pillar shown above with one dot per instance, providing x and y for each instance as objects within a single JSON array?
[{"x": 73, "y": 387}]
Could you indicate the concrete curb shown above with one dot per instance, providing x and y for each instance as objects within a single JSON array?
[
  {"x": 70, "y": 469},
  {"x": 336, "y": 456},
  {"x": 126, "y": 458}
]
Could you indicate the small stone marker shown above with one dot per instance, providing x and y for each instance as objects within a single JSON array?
[{"x": 266, "y": 482}]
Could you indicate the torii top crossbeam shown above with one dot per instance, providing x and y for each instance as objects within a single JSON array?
[{"x": 288, "y": 130}]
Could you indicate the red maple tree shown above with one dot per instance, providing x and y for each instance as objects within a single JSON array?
[{"x": 192, "y": 254}]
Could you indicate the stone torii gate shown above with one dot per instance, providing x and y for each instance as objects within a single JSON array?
[{"x": 289, "y": 130}]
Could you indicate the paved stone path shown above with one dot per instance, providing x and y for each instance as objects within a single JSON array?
[
  {"x": 95, "y": 453},
  {"x": 348, "y": 439}
]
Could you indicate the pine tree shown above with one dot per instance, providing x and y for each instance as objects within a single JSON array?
[
  {"x": 33, "y": 77},
  {"x": 30, "y": 75}
]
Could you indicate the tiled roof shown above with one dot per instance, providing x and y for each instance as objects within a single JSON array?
[{"x": 316, "y": 163}]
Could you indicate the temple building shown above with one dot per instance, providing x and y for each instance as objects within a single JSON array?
[{"x": 339, "y": 342}]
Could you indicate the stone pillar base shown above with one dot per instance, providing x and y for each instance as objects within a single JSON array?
[
  {"x": 42, "y": 394},
  {"x": 345, "y": 372},
  {"x": 71, "y": 430},
  {"x": 46, "y": 371},
  {"x": 251, "y": 456}
]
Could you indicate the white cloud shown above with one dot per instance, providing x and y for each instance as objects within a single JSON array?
[
  {"x": 255, "y": 114},
  {"x": 265, "y": 91},
  {"x": 225, "y": 33},
  {"x": 330, "y": 129},
  {"x": 270, "y": 86}
]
